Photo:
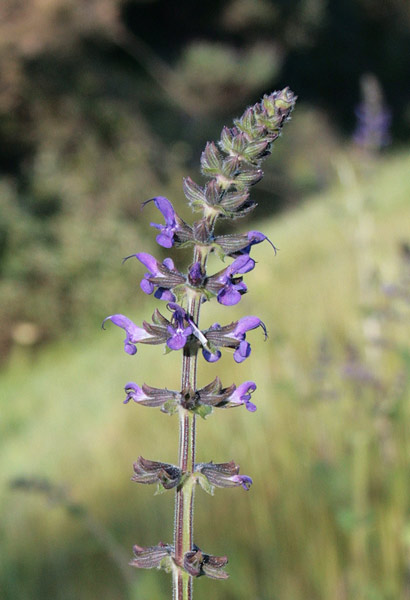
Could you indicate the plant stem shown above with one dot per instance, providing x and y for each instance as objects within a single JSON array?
[{"x": 184, "y": 501}]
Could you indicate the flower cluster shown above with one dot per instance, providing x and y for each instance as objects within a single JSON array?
[
  {"x": 232, "y": 167},
  {"x": 211, "y": 396}
]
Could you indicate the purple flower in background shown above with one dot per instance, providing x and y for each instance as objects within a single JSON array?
[
  {"x": 229, "y": 288},
  {"x": 178, "y": 332},
  {"x": 372, "y": 130},
  {"x": 373, "y": 117},
  {"x": 134, "y": 334}
]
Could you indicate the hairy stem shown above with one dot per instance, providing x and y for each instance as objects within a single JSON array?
[{"x": 184, "y": 501}]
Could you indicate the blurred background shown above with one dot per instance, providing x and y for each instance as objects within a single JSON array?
[{"x": 106, "y": 103}]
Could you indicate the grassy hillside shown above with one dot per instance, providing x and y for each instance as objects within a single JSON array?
[{"x": 328, "y": 449}]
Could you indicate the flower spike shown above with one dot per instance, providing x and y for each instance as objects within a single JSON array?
[{"x": 231, "y": 167}]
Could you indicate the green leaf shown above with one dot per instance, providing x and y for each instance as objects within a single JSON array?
[
  {"x": 160, "y": 490},
  {"x": 203, "y": 410},
  {"x": 170, "y": 406}
]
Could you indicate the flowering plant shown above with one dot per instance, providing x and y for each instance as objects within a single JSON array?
[{"x": 232, "y": 167}]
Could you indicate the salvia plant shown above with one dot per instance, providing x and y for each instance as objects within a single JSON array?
[{"x": 232, "y": 167}]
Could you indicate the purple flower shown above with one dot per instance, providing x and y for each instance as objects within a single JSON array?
[
  {"x": 242, "y": 395},
  {"x": 256, "y": 237},
  {"x": 242, "y": 480},
  {"x": 230, "y": 336},
  {"x": 216, "y": 396},
  {"x": 229, "y": 288},
  {"x": 207, "y": 354},
  {"x": 211, "y": 356},
  {"x": 134, "y": 392},
  {"x": 179, "y": 333},
  {"x": 163, "y": 275},
  {"x": 166, "y": 236},
  {"x": 154, "y": 397},
  {"x": 175, "y": 230},
  {"x": 245, "y": 324},
  {"x": 134, "y": 334},
  {"x": 196, "y": 274}
]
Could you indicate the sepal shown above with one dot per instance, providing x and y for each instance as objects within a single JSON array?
[
  {"x": 214, "y": 199},
  {"x": 166, "y": 476},
  {"x": 153, "y": 557},
  {"x": 198, "y": 563},
  {"x": 211, "y": 160},
  {"x": 216, "y": 396},
  {"x": 235, "y": 245},
  {"x": 236, "y": 204},
  {"x": 194, "y": 193},
  {"x": 222, "y": 475}
]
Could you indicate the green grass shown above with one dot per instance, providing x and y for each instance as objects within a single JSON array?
[{"x": 328, "y": 515}]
